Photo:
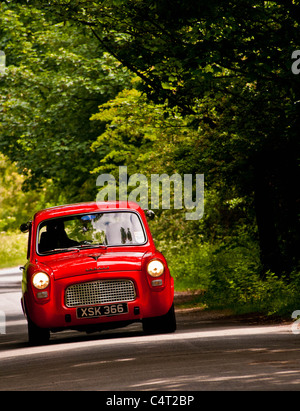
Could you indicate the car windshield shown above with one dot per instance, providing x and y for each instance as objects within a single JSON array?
[{"x": 90, "y": 230}]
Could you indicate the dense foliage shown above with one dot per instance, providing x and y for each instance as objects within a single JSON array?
[
  {"x": 55, "y": 79},
  {"x": 165, "y": 86}
]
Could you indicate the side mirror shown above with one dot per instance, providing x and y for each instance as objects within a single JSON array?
[
  {"x": 150, "y": 214},
  {"x": 25, "y": 227}
]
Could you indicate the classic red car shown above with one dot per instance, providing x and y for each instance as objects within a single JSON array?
[{"x": 94, "y": 266}]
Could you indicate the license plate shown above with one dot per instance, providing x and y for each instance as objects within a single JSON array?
[{"x": 102, "y": 310}]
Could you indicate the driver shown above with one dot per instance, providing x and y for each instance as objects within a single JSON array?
[{"x": 55, "y": 237}]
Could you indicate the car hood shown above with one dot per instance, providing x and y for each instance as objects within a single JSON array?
[{"x": 100, "y": 261}]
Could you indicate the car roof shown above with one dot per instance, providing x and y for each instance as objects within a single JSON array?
[{"x": 87, "y": 207}]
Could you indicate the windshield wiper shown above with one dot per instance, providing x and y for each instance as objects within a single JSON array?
[
  {"x": 57, "y": 250},
  {"x": 75, "y": 248},
  {"x": 91, "y": 246}
]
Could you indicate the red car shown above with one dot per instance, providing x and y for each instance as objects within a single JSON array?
[{"x": 94, "y": 266}]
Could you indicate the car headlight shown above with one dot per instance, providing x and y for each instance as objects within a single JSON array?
[
  {"x": 155, "y": 268},
  {"x": 40, "y": 280}
]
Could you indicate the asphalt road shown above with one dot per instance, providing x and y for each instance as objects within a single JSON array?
[{"x": 207, "y": 352}]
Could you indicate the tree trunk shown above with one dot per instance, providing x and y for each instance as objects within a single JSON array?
[
  {"x": 271, "y": 258},
  {"x": 277, "y": 204}
]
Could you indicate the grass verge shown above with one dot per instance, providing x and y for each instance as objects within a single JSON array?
[{"x": 13, "y": 248}]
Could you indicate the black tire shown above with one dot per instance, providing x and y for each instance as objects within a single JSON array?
[
  {"x": 37, "y": 335},
  {"x": 161, "y": 325}
]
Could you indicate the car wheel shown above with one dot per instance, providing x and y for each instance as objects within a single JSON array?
[
  {"x": 160, "y": 325},
  {"x": 37, "y": 335}
]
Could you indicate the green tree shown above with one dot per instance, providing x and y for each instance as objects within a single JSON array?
[
  {"x": 140, "y": 134},
  {"x": 228, "y": 64},
  {"x": 56, "y": 76},
  {"x": 16, "y": 206}
]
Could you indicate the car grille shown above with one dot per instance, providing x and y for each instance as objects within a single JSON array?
[{"x": 99, "y": 292}]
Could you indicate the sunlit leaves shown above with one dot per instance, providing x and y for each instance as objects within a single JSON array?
[{"x": 55, "y": 79}]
